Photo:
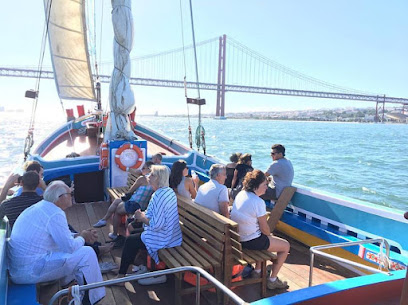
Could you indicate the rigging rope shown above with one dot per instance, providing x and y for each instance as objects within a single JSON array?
[
  {"x": 190, "y": 135},
  {"x": 200, "y": 134},
  {"x": 29, "y": 141}
]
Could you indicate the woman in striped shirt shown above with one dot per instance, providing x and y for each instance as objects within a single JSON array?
[{"x": 160, "y": 222}]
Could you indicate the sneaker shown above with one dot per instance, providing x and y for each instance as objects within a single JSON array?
[
  {"x": 277, "y": 284},
  {"x": 153, "y": 280},
  {"x": 138, "y": 270},
  {"x": 107, "y": 266},
  {"x": 255, "y": 275},
  {"x": 112, "y": 236},
  {"x": 101, "y": 223}
]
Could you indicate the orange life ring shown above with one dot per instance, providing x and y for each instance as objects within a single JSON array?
[
  {"x": 103, "y": 156},
  {"x": 139, "y": 158}
]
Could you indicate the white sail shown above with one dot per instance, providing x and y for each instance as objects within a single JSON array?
[
  {"x": 69, "y": 49},
  {"x": 121, "y": 97}
]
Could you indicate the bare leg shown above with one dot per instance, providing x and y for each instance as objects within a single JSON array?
[
  {"x": 281, "y": 246},
  {"x": 120, "y": 211},
  {"x": 112, "y": 209}
]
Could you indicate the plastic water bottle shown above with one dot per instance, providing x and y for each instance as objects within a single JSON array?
[{"x": 193, "y": 174}]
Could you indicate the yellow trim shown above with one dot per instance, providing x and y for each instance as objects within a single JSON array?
[{"x": 310, "y": 240}]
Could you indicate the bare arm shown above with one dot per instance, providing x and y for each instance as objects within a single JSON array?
[
  {"x": 191, "y": 188},
  {"x": 11, "y": 180},
  {"x": 224, "y": 205},
  {"x": 139, "y": 182},
  {"x": 234, "y": 179},
  {"x": 263, "y": 225}
]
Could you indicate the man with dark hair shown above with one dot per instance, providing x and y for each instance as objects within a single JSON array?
[
  {"x": 13, "y": 207},
  {"x": 37, "y": 167},
  {"x": 281, "y": 172}
]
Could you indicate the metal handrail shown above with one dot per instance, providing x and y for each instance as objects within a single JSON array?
[
  {"x": 316, "y": 250},
  {"x": 198, "y": 271}
]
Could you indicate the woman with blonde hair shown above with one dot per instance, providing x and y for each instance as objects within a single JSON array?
[{"x": 160, "y": 222}]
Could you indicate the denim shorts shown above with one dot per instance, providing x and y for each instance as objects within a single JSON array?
[{"x": 131, "y": 206}]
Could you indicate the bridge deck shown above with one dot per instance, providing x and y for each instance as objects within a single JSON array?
[{"x": 295, "y": 269}]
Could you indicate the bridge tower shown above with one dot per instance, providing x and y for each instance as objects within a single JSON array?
[
  {"x": 219, "y": 111},
  {"x": 380, "y": 109}
]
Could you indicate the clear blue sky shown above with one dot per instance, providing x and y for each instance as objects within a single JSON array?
[{"x": 358, "y": 44}]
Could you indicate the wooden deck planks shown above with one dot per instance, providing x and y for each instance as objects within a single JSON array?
[{"x": 295, "y": 269}]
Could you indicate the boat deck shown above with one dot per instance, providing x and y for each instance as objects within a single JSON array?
[
  {"x": 295, "y": 269},
  {"x": 87, "y": 146}
]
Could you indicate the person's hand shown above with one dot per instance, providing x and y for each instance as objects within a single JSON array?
[
  {"x": 11, "y": 181},
  {"x": 90, "y": 236},
  {"x": 139, "y": 215}
]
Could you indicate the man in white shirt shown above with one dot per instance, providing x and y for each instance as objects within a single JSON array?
[
  {"x": 42, "y": 248},
  {"x": 214, "y": 194},
  {"x": 281, "y": 171}
]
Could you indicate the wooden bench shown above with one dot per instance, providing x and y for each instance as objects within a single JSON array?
[
  {"x": 203, "y": 245},
  {"x": 280, "y": 206},
  {"x": 211, "y": 240},
  {"x": 117, "y": 192}
]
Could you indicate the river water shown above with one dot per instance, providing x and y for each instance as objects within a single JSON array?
[{"x": 362, "y": 161}]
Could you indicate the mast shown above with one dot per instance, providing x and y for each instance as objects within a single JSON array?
[{"x": 121, "y": 97}]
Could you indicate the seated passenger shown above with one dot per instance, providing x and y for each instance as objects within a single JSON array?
[
  {"x": 139, "y": 200},
  {"x": 231, "y": 168},
  {"x": 37, "y": 167},
  {"x": 13, "y": 207},
  {"x": 42, "y": 248},
  {"x": 249, "y": 211},
  {"x": 281, "y": 173},
  {"x": 214, "y": 194},
  {"x": 13, "y": 180},
  {"x": 160, "y": 222},
  {"x": 157, "y": 159},
  {"x": 180, "y": 183},
  {"x": 244, "y": 165}
]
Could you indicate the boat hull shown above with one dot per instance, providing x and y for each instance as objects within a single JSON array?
[{"x": 313, "y": 217}]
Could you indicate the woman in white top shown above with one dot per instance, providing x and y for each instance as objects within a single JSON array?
[
  {"x": 249, "y": 211},
  {"x": 180, "y": 183}
]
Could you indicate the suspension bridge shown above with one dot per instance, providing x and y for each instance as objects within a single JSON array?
[{"x": 223, "y": 67}]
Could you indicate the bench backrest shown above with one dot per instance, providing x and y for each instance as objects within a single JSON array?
[
  {"x": 206, "y": 228},
  {"x": 280, "y": 206},
  {"x": 131, "y": 179}
]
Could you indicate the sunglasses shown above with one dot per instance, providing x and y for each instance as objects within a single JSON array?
[{"x": 71, "y": 193}]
